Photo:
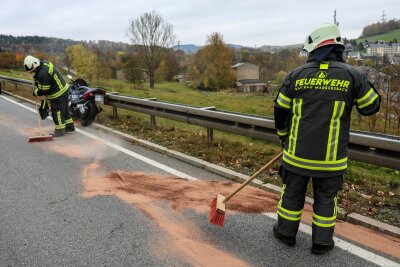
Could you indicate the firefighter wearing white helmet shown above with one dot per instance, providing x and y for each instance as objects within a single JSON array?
[
  {"x": 312, "y": 116},
  {"x": 31, "y": 63},
  {"x": 326, "y": 34},
  {"x": 50, "y": 83}
]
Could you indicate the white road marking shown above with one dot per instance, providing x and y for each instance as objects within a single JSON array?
[
  {"x": 137, "y": 156},
  {"x": 120, "y": 148},
  {"x": 353, "y": 249}
]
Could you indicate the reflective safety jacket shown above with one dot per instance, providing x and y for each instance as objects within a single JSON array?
[
  {"x": 49, "y": 81},
  {"x": 312, "y": 115}
]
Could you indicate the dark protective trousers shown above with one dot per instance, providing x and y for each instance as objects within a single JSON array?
[
  {"x": 292, "y": 200},
  {"x": 60, "y": 112}
]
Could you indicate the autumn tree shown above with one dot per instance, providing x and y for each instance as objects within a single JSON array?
[
  {"x": 106, "y": 63},
  {"x": 10, "y": 60},
  {"x": 280, "y": 76},
  {"x": 84, "y": 61},
  {"x": 168, "y": 66},
  {"x": 19, "y": 59},
  {"x": 352, "y": 61},
  {"x": 7, "y": 60},
  {"x": 134, "y": 68},
  {"x": 214, "y": 63},
  {"x": 155, "y": 35}
]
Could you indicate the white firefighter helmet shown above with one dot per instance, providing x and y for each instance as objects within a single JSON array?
[
  {"x": 31, "y": 63},
  {"x": 325, "y": 34}
]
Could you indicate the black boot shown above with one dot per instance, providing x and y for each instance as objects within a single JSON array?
[
  {"x": 70, "y": 128},
  {"x": 58, "y": 133},
  {"x": 289, "y": 241},
  {"x": 321, "y": 249}
]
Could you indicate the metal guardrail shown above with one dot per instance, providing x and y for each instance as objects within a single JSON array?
[
  {"x": 16, "y": 80},
  {"x": 377, "y": 149}
]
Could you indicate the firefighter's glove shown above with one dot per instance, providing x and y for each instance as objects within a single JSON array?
[
  {"x": 44, "y": 109},
  {"x": 34, "y": 92}
]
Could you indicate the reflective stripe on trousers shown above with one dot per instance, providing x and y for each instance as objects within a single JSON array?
[
  {"x": 292, "y": 201},
  {"x": 291, "y": 215}
]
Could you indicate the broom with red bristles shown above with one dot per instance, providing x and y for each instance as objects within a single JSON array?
[
  {"x": 41, "y": 137},
  {"x": 217, "y": 213}
]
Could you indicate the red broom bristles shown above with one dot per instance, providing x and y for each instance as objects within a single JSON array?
[
  {"x": 42, "y": 138},
  {"x": 215, "y": 217}
]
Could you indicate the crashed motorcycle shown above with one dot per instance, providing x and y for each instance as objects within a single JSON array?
[{"x": 84, "y": 101}]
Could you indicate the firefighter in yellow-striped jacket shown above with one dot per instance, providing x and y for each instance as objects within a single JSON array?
[
  {"x": 312, "y": 117},
  {"x": 49, "y": 82}
]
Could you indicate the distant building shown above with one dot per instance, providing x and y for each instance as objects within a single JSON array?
[
  {"x": 181, "y": 77},
  {"x": 372, "y": 57},
  {"x": 355, "y": 55},
  {"x": 248, "y": 78},
  {"x": 382, "y": 49},
  {"x": 394, "y": 59}
]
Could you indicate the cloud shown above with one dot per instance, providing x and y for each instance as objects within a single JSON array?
[{"x": 250, "y": 22}]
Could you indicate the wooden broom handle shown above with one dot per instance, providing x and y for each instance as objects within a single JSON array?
[
  {"x": 254, "y": 176},
  {"x": 37, "y": 110},
  {"x": 37, "y": 117}
]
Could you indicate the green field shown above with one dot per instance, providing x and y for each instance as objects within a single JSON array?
[
  {"x": 387, "y": 37},
  {"x": 174, "y": 92},
  {"x": 260, "y": 104}
]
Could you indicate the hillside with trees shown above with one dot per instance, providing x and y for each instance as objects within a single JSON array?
[
  {"x": 50, "y": 45},
  {"x": 380, "y": 28},
  {"x": 27, "y": 44}
]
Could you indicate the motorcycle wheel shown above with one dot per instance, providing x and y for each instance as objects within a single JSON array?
[{"x": 90, "y": 114}]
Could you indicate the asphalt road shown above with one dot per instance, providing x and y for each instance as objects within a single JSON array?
[{"x": 45, "y": 222}]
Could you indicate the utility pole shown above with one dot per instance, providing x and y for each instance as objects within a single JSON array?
[
  {"x": 334, "y": 19},
  {"x": 383, "y": 16}
]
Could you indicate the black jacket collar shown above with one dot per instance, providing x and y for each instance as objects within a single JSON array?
[{"x": 327, "y": 53}]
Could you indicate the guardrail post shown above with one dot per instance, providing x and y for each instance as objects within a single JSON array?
[
  {"x": 210, "y": 136},
  {"x": 16, "y": 86},
  {"x": 115, "y": 113},
  {"x": 210, "y": 131},
  {"x": 0, "y": 86},
  {"x": 153, "y": 122},
  {"x": 152, "y": 117}
]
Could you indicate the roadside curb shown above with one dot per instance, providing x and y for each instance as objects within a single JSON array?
[
  {"x": 353, "y": 218},
  {"x": 373, "y": 224}
]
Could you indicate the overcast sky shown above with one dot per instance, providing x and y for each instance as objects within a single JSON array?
[{"x": 244, "y": 22}]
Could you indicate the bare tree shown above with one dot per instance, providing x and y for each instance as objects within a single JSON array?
[
  {"x": 372, "y": 121},
  {"x": 155, "y": 36},
  {"x": 397, "y": 111}
]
